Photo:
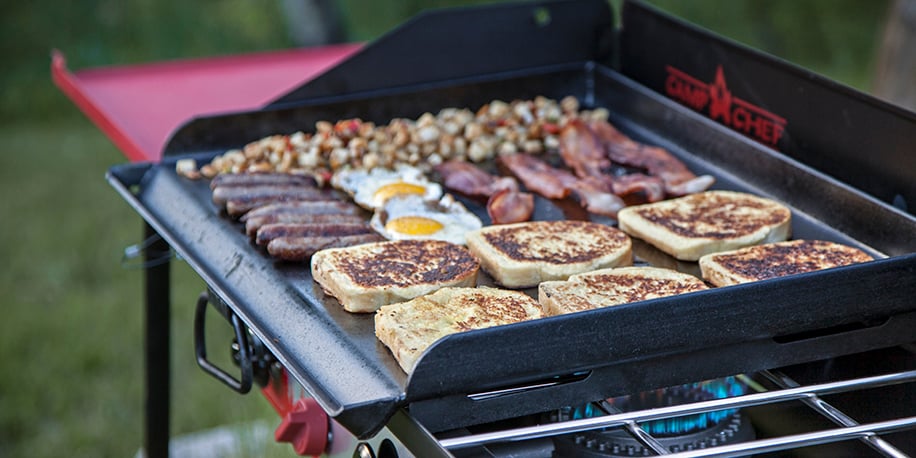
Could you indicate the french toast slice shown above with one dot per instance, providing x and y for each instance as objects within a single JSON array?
[
  {"x": 708, "y": 222},
  {"x": 607, "y": 287},
  {"x": 366, "y": 277},
  {"x": 522, "y": 255},
  {"x": 778, "y": 259},
  {"x": 409, "y": 328}
]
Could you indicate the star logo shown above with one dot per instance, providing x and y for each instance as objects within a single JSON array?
[
  {"x": 718, "y": 103},
  {"x": 720, "y": 99}
]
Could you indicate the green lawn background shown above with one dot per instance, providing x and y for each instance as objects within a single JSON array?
[{"x": 71, "y": 330}]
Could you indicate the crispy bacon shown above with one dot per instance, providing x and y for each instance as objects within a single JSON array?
[
  {"x": 536, "y": 175},
  {"x": 676, "y": 178},
  {"x": 591, "y": 149},
  {"x": 599, "y": 202},
  {"x": 582, "y": 150},
  {"x": 507, "y": 206},
  {"x": 650, "y": 188},
  {"x": 591, "y": 192},
  {"x": 471, "y": 180}
]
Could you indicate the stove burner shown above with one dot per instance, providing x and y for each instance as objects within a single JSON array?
[
  {"x": 687, "y": 432},
  {"x": 695, "y": 392}
]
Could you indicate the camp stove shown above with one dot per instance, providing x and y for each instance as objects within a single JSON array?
[
  {"x": 768, "y": 413},
  {"x": 816, "y": 364}
]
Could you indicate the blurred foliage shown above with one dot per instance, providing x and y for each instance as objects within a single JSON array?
[
  {"x": 837, "y": 38},
  {"x": 366, "y": 19},
  {"x": 834, "y": 37},
  {"x": 109, "y": 32}
]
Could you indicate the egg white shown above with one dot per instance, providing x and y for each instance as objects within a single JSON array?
[
  {"x": 364, "y": 185},
  {"x": 455, "y": 219}
]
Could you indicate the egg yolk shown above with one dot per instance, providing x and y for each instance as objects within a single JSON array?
[
  {"x": 413, "y": 225},
  {"x": 383, "y": 193}
]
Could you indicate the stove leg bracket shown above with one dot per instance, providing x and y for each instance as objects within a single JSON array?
[{"x": 157, "y": 333}]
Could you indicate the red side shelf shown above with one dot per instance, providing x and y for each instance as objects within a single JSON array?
[{"x": 139, "y": 106}]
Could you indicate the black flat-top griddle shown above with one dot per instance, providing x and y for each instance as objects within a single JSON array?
[{"x": 508, "y": 371}]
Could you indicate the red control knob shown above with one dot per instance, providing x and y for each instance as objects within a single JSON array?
[{"x": 305, "y": 427}]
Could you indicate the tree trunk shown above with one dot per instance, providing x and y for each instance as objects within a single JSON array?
[{"x": 895, "y": 75}]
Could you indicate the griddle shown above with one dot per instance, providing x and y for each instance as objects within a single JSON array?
[{"x": 490, "y": 374}]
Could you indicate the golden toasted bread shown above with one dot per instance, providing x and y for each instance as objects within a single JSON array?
[
  {"x": 409, "y": 328},
  {"x": 776, "y": 260},
  {"x": 606, "y": 287},
  {"x": 524, "y": 254},
  {"x": 366, "y": 277},
  {"x": 707, "y": 222}
]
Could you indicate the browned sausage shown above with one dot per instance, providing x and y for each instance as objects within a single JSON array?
[
  {"x": 223, "y": 194},
  {"x": 305, "y": 207},
  {"x": 238, "y": 207},
  {"x": 253, "y": 224},
  {"x": 269, "y": 232},
  {"x": 302, "y": 248},
  {"x": 257, "y": 179}
]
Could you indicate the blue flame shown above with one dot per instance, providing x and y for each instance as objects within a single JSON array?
[
  {"x": 587, "y": 411},
  {"x": 700, "y": 391},
  {"x": 712, "y": 389}
]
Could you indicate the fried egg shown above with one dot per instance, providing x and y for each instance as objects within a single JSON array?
[
  {"x": 411, "y": 217},
  {"x": 370, "y": 189}
]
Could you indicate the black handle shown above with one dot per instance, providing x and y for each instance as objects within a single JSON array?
[{"x": 242, "y": 385}]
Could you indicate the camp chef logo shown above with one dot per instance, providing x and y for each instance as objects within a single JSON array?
[{"x": 740, "y": 115}]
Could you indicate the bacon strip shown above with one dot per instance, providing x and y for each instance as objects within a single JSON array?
[
  {"x": 592, "y": 193},
  {"x": 595, "y": 197},
  {"x": 582, "y": 151},
  {"x": 506, "y": 207},
  {"x": 676, "y": 178},
  {"x": 505, "y": 203},
  {"x": 651, "y": 188},
  {"x": 537, "y": 175},
  {"x": 470, "y": 180}
]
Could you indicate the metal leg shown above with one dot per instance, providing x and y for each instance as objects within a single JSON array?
[{"x": 158, "y": 316}]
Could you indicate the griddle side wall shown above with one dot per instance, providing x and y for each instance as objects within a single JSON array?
[{"x": 845, "y": 133}]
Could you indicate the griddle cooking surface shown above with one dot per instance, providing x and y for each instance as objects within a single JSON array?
[{"x": 588, "y": 355}]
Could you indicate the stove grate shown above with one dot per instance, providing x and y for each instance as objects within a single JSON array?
[{"x": 787, "y": 389}]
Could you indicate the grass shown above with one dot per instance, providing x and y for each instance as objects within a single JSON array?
[
  {"x": 71, "y": 341},
  {"x": 71, "y": 336}
]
